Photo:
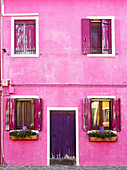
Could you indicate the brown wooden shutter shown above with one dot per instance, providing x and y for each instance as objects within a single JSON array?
[
  {"x": 38, "y": 114},
  {"x": 116, "y": 115},
  {"x": 87, "y": 114},
  {"x": 86, "y": 35}
]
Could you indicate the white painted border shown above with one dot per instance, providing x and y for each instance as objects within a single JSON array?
[
  {"x": 113, "y": 35},
  {"x": 24, "y": 97},
  {"x": 48, "y": 130},
  {"x": 17, "y": 14},
  {"x": 101, "y": 97},
  {"x": 12, "y": 37},
  {"x": 24, "y": 14}
]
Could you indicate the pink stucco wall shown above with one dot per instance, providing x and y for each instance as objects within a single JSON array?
[{"x": 60, "y": 62}]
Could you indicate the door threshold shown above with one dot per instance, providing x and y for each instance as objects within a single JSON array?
[{"x": 62, "y": 161}]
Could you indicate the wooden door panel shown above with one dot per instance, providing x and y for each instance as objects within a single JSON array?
[{"x": 62, "y": 134}]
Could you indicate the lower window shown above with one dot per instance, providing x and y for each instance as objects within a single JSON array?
[
  {"x": 25, "y": 113},
  {"x": 101, "y": 113}
]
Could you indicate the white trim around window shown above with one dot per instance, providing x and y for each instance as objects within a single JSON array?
[
  {"x": 112, "y": 33},
  {"x": 101, "y": 97},
  {"x": 24, "y": 97},
  {"x": 12, "y": 36}
]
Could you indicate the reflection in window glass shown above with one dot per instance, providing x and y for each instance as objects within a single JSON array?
[
  {"x": 100, "y": 113},
  {"x": 105, "y": 112}
]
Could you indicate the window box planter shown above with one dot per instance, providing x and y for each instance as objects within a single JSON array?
[
  {"x": 102, "y": 136},
  {"x": 23, "y": 135},
  {"x": 97, "y": 139}
]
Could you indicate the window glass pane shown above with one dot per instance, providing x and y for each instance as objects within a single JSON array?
[
  {"x": 101, "y": 113},
  {"x": 95, "y": 114},
  {"x": 25, "y": 113},
  {"x": 96, "y": 37},
  {"x": 105, "y": 112},
  {"x": 30, "y": 110},
  {"x": 20, "y": 114}
]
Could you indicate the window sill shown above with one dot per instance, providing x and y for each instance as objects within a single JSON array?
[
  {"x": 90, "y": 131},
  {"x": 26, "y": 55},
  {"x": 21, "y": 130},
  {"x": 100, "y": 55}
]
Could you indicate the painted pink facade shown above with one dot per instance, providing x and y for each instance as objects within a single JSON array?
[{"x": 62, "y": 76}]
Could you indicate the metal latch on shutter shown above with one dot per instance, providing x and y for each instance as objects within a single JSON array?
[
  {"x": 86, "y": 116},
  {"x": 30, "y": 24},
  {"x": 39, "y": 115},
  {"x": 106, "y": 23},
  {"x": 19, "y": 24},
  {"x": 84, "y": 39},
  {"x": 107, "y": 50}
]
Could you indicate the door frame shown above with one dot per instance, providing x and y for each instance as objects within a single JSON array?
[{"x": 49, "y": 109}]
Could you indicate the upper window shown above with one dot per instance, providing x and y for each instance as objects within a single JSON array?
[
  {"x": 98, "y": 36},
  {"x": 101, "y": 113},
  {"x": 23, "y": 112},
  {"x": 24, "y": 37}
]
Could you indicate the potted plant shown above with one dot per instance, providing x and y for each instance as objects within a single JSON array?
[
  {"x": 102, "y": 136},
  {"x": 23, "y": 135}
]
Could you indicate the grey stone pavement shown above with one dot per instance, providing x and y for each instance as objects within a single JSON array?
[{"x": 54, "y": 167}]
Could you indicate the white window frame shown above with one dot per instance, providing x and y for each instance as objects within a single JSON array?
[
  {"x": 112, "y": 33},
  {"x": 12, "y": 37}
]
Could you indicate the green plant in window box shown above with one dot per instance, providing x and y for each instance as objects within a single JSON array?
[
  {"x": 23, "y": 135},
  {"x": 102, "y": 136}
]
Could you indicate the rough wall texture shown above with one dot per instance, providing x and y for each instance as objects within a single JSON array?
[{"x": 60, "y": 61}]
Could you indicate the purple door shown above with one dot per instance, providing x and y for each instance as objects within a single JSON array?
[{"x": 62, "y": 135}]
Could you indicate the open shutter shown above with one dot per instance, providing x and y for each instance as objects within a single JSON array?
[
  {"x": 106, "y": 36},
  {"x": 86, "y": 33},
  {"x": 87, "y": 114},
  {"x": 30, "y": 32},
  {"x": 19, "y": 37},
  {"x": 38, "y": 114},
  {"x": 7, "y": 119},
  {"x": 116, "y": 115},
  {"x": 10, "y": 114}
]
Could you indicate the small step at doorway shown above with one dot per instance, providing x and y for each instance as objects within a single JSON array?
[{"x": 62, "y": 161}]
